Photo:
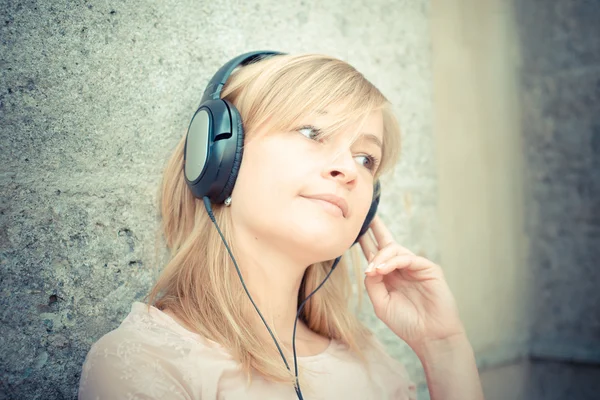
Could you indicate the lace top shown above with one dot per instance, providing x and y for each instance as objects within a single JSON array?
[{"x": 151, "y": 356}]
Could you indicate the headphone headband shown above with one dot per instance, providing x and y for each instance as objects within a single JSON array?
[{"x": 215, "y": 86}]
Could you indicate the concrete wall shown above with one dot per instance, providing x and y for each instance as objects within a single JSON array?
[
  {"x": 560, "y": 79},
  {"x": 93, "y": 97}
]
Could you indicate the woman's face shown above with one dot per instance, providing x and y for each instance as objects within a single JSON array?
[{"x": 305, "y": 195}]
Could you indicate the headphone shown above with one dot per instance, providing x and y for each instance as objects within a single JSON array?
[{"x": 215, "y": 139}]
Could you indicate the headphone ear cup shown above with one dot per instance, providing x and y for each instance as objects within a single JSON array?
[
  {"x": 237, "y": 134},
  {"x": 372, "y": 211}
]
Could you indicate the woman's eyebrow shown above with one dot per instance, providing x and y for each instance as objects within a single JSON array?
[{"x": 369, "y": 137}]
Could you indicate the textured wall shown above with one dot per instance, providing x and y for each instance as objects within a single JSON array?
[
  {"x": 94, "y": 95},
  {"x": 560, "y": 78},
  {"x": 561, "y": 126}
]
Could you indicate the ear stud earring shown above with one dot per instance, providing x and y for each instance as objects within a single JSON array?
[{"x": 228, "y": 201}]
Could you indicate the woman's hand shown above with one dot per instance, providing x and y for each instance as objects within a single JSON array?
[{"x": 408, "y": 292}]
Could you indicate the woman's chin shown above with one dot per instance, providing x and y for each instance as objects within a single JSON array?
[{"x": 324, "y": 244}]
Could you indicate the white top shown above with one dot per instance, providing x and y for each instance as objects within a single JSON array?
[{"x": 151, "y": 356}]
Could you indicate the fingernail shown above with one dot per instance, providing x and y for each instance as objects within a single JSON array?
[
  {"x": 380, "y": 266},
  {"x": 369, "y": 267}
]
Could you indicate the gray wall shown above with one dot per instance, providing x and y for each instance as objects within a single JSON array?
[
  {"x": 560, "y": 77},
  {"x": 93, "y": 97}
]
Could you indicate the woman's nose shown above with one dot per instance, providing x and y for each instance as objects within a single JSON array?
[{"x": 342, "y": 169}]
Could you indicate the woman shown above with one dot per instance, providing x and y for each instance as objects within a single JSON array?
[{"x": 221, "y": 322}]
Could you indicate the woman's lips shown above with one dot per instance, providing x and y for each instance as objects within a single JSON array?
[{"x": 330, "y": 202}]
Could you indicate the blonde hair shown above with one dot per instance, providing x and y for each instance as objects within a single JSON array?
[{"x": 199, "y": 284}]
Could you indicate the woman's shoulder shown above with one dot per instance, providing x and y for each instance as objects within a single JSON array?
[
  {"x": 149, "y": 354},
  {"x": 148, "y": 330}
]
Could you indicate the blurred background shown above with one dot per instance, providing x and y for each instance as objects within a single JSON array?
[{"x": 499, "y": 180}]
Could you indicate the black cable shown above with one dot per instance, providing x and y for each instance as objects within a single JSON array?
[
  {"x": 335, "y": 263},
  {"x": 208, "y": 207},
  {"x": 212, "y": 217}
]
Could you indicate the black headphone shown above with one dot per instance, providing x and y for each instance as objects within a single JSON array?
[{"x": 215, "y": 139}]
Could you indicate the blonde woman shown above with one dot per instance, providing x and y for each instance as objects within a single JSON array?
[{"x": 256, "y": 300}]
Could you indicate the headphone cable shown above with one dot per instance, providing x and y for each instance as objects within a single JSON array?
[
  {"x": 208, "y": 207},
  {"x": 335, "y": 263}
]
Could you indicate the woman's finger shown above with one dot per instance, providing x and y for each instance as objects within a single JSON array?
[
  {"x": 384, "y": 254},
  {"x": 417, "y": 268},
  {"x": 382, "y": 234},
  {"x": 377, "y": 291},
  {"x": 396, "y": 262},
  {"x": 368, "y": 246}
]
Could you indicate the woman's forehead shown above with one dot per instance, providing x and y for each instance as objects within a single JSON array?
[
  {"x": 370, "y": 124},
  {"x": 331, "y": 121}
]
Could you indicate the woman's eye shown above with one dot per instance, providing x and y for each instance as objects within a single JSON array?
[
  {"x": 310, "y": 132},
  {"x": 367, "y": 161}
]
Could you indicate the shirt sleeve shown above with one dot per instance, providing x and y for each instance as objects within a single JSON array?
[{"x": 118, "y": 367}]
